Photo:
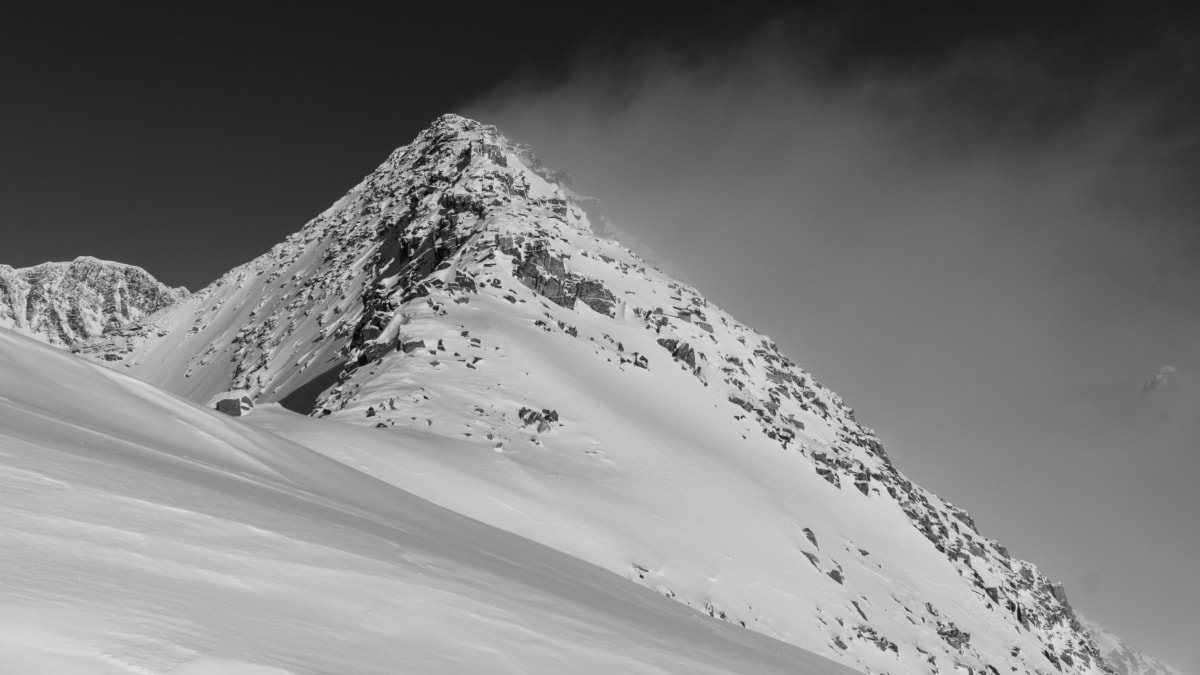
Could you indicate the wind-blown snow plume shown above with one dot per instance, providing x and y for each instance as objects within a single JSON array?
[
  {"x": 1123, "y": 659},
  {"x": 1163, "y": 378}
]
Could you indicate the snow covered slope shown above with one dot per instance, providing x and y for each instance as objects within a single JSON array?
[
  {"x": 144, "y": 534},
  {"x": 1123, "y": 659},
  {"x": 67, "y": 303},
  {"x": 466, "y": 334}
]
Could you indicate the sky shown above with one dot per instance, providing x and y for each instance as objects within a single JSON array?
[{"x": 979, "y": 224}]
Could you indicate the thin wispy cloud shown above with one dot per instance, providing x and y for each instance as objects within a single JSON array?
[{"x": 1163, "y": 378}]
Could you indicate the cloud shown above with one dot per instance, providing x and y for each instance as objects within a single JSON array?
[
  {"x": 1044, "y": 180},
  {"x": 1163, "y": 378}
]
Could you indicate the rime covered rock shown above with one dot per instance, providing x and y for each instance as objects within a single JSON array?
[{"x": 69, "y": 303}]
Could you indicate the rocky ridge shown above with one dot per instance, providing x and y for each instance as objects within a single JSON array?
[{"x": 69, "y": 303}]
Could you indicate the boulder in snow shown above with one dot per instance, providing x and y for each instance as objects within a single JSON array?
[{"x": 236, "y": 404}]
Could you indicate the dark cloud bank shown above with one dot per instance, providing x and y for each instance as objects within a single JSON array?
[{"x": 987, "y": 247}]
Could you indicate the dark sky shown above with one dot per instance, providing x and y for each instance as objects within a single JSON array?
[
  {"x": 127, "y": 132},
  {"x": 979, "y": 223},
  {"x": 123, "y": 127}
]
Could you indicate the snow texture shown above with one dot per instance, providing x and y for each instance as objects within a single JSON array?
[{"x": 146, "y": 534}]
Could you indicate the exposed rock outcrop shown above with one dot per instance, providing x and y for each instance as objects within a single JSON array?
[{"x": 69, "y": 303}]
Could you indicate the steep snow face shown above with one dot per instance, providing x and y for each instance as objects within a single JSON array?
[
  {"x": 67, "y": 303},
  {"x": 145, "y": 534},
  {"x": 460, "y": 298},
  {"x": 1120, "y": 657}
]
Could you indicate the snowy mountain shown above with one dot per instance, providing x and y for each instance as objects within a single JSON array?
[
  {"x": 463, "y": 331},
  {"x": 1120, "y": 657},
  {"x": 145, "y": 534},
  {"x": 66, "y": 303}
]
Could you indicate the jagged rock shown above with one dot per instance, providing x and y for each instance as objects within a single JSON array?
[
  {"x": 71, "y": 304},
  {"x": 1060, "y": 593},
  {"x": 236, "y": 406},
  {"x": 829, "y": 476},
  {"x": 593, "y": 294},
  {"x": 952, "y": 635},
  {"x": 680, "y": 350},
  {"x": 547, "y": 275},
  {"x": 543, "y": 419},
  {"x": 811, "y": 537}
]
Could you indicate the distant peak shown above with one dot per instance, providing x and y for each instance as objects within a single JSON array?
[
  {"x": 92, "y": 260},
  {"x": 67, "y": 303},
  {"x": 454, "y": 119},
  {"x": 83, "y": 260}
]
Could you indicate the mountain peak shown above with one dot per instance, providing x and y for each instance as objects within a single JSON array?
[
  {"x": 451, "y": 128},
  {"x": 70, "y": 303},
  {"x": 460, "y": 297},
  {"x": 458, "y": 123},
  {"x": 76, "y": 263}
]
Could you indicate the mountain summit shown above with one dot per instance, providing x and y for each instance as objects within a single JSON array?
[{"x": 467, "y": 330}]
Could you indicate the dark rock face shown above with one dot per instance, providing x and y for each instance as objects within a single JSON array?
[
  {"x": 595, "y": 295},
  {"x": 811, "y": 537},
  {"x": 542, "y": 420},
  {"x": 952, "y": 635},
  {"x": 680, "y": 351},
  {"x": 547, "y": 275},
  {"x": 235, "y": 406},
  {"x": 871, "y": 635}
]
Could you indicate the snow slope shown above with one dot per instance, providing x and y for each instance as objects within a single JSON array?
[
  {"x": 66, "y": 303},
  {"x": 144, "y": 534},
  {"x": 466, "y": 334}
]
